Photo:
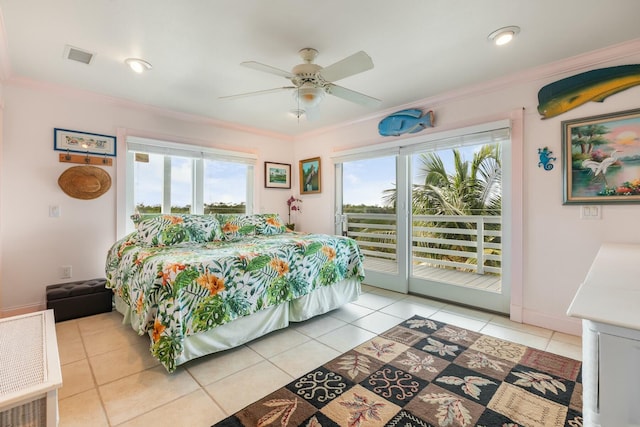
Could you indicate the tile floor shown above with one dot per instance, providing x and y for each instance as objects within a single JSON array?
[{"x": 110, "y": 379}]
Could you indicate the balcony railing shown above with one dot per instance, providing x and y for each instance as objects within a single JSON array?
[{"x": 467, "y": 243}]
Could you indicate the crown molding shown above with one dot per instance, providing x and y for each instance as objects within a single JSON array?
[{"x": 90, "y": 96}]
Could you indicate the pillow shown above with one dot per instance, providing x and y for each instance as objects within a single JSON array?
[
  {"x": 171, "y": 229},
  {"x": 237, "y": 225},
  {"x": 269, "y": 224},
  {"x": 137, "y": 218}
]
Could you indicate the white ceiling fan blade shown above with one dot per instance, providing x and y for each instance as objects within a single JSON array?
[
  {"x": 267, "y": 69},
  {"x": 354, "y": 64},
  {"x": 352, "y": 95},
  {"x": 259, "y": 92}
]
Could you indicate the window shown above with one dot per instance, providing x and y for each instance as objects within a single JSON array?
[{"x": 167, "y": 177}]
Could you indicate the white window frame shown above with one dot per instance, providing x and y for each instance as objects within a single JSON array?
[{"x": 133, "y": 144}]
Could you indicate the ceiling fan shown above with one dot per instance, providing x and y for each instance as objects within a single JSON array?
[{"x": 311, "y": 81}]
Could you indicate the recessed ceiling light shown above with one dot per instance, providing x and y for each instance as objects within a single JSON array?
[
  {"x": 138, "y": 65},
  {"x": 504, "y": 35}
]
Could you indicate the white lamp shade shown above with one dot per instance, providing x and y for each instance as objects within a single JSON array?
[{"x": 309, "y": 96}]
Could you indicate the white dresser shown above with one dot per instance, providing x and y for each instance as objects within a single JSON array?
[
  {"x": 29, "y": 370},
  {"x": 608, "y": 301}
]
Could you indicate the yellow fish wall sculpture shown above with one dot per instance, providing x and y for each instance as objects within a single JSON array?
[{"x": 595, "y": 85}]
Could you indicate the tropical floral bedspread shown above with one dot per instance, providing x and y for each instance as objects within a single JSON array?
[{"x": 183, "y": 289}]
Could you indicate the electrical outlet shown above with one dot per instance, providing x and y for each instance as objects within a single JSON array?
[{"x": 65, "y": 272}]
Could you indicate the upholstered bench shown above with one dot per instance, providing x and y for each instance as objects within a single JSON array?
[{"x": 78, "y": 299}]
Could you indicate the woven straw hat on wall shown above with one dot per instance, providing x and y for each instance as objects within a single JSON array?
[{"x": 85, "y": 182}]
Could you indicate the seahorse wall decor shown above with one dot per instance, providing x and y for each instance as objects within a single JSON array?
[
  {"x": 411, "y": 120},
  {"x": 595, "y": 85},
  {"x": 545, "y": 158}
]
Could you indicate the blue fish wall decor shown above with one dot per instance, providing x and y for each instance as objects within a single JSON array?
[
  {"x": 595, "y": 85},
  {"x": 411, "y": 120}
]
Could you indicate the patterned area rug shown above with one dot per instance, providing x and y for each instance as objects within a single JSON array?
[{"x": 427, "y": 373}]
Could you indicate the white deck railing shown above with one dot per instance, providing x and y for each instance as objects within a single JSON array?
[{"x": 463, "y": 242}]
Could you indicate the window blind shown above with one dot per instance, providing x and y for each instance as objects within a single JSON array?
[
  {"x": 487, "y": 133},
  {"x": 152, "y": 146}
]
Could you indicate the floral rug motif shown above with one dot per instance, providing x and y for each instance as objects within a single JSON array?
[{"x": 429, "y": 374}]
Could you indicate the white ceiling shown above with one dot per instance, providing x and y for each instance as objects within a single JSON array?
[{"x": 420, "y": 48}]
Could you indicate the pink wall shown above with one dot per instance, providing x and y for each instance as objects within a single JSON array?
[
  {"x": 557, "y": 246},
  {"x": 33, "y": 245}
]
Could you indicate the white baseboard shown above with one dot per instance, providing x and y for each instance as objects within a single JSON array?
[{"x": 565, "y": 324}]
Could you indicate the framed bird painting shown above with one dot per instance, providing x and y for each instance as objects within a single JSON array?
[
  {"x": 310, "y": 178},
  {"x": 601, "y": 159}
]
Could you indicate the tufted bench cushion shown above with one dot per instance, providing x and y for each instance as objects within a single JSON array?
[{"x": 78, "y": 299}]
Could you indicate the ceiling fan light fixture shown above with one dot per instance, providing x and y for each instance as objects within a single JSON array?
[
  {"x": 309, "y": 96},
  {"x": 138, "y": 65},
  {"x": 504, "y": 35}
]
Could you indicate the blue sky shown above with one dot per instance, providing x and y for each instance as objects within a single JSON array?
[{"x": 225, "y": 181}]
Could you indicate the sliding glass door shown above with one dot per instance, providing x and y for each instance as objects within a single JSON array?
[
  {"x": 368, "y": 212},
  {"x": 456, "y": 225},
  {"x": 429, "y": 217}
]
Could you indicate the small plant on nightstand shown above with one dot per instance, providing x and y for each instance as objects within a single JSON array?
[{"x": 294, "y": 205}]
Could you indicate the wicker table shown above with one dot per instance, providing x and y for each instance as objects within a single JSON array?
[{"x": 29, "y": 370}]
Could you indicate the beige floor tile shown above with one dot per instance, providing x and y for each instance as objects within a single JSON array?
[
  {"x": 71, "y": 350},
  {"x": 564, "y": 349},
  {"x": 367, "y": 288},
  {"x": 318, "y": 325},
  {"x": 530, "y": 329},
  {"x": 305, "y": 357},
  {"x": 214, "y": 367},
  {"x": 67, "y": 330},
  {"x": 512, "y": 335},
  {"x": 121, "y": 362},
  {"x": 345, "y": 338},
  {"x": 82, "y": 410},
  {"x": 101, "y": 321},
  {"x": 105, "y": 340},
  {"x": 468, "y": 312},
  {"x": 567, "y": 338},
  {"x": 350, "y": 312},
  {"x": 458, "y": 320},
  {"x": 140, "y": 393},
  {"x": 245, "y": 387},
  {"x": 406, "y": 308},
  {"x": 378, "y": 322},
  {"x": 76, "y": 378},
  {"x": 277, "y": 342},
  {"x": 386, "y": 293},
  {"x": 439, "y": 305},
  {"x": 196, "y": 409},
  {"x": 374, "y": 301}
]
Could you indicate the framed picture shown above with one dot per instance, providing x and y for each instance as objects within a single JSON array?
[
  {"x": 83, "y": 142},
  {"x": 277, "y": 175},
  {"x": 601, "y": 159},
  {"x": 310, "y": 176}
]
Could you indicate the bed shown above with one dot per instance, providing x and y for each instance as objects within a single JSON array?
[{"x": 198, "y": 284}]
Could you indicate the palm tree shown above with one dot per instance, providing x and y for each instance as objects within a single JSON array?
[{"x": 473, "y": 188}]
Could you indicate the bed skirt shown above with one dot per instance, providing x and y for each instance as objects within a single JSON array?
[{"x": 245, "y": 329}]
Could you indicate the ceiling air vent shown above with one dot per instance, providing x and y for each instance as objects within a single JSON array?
[{"x": 75, "y": 54}]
